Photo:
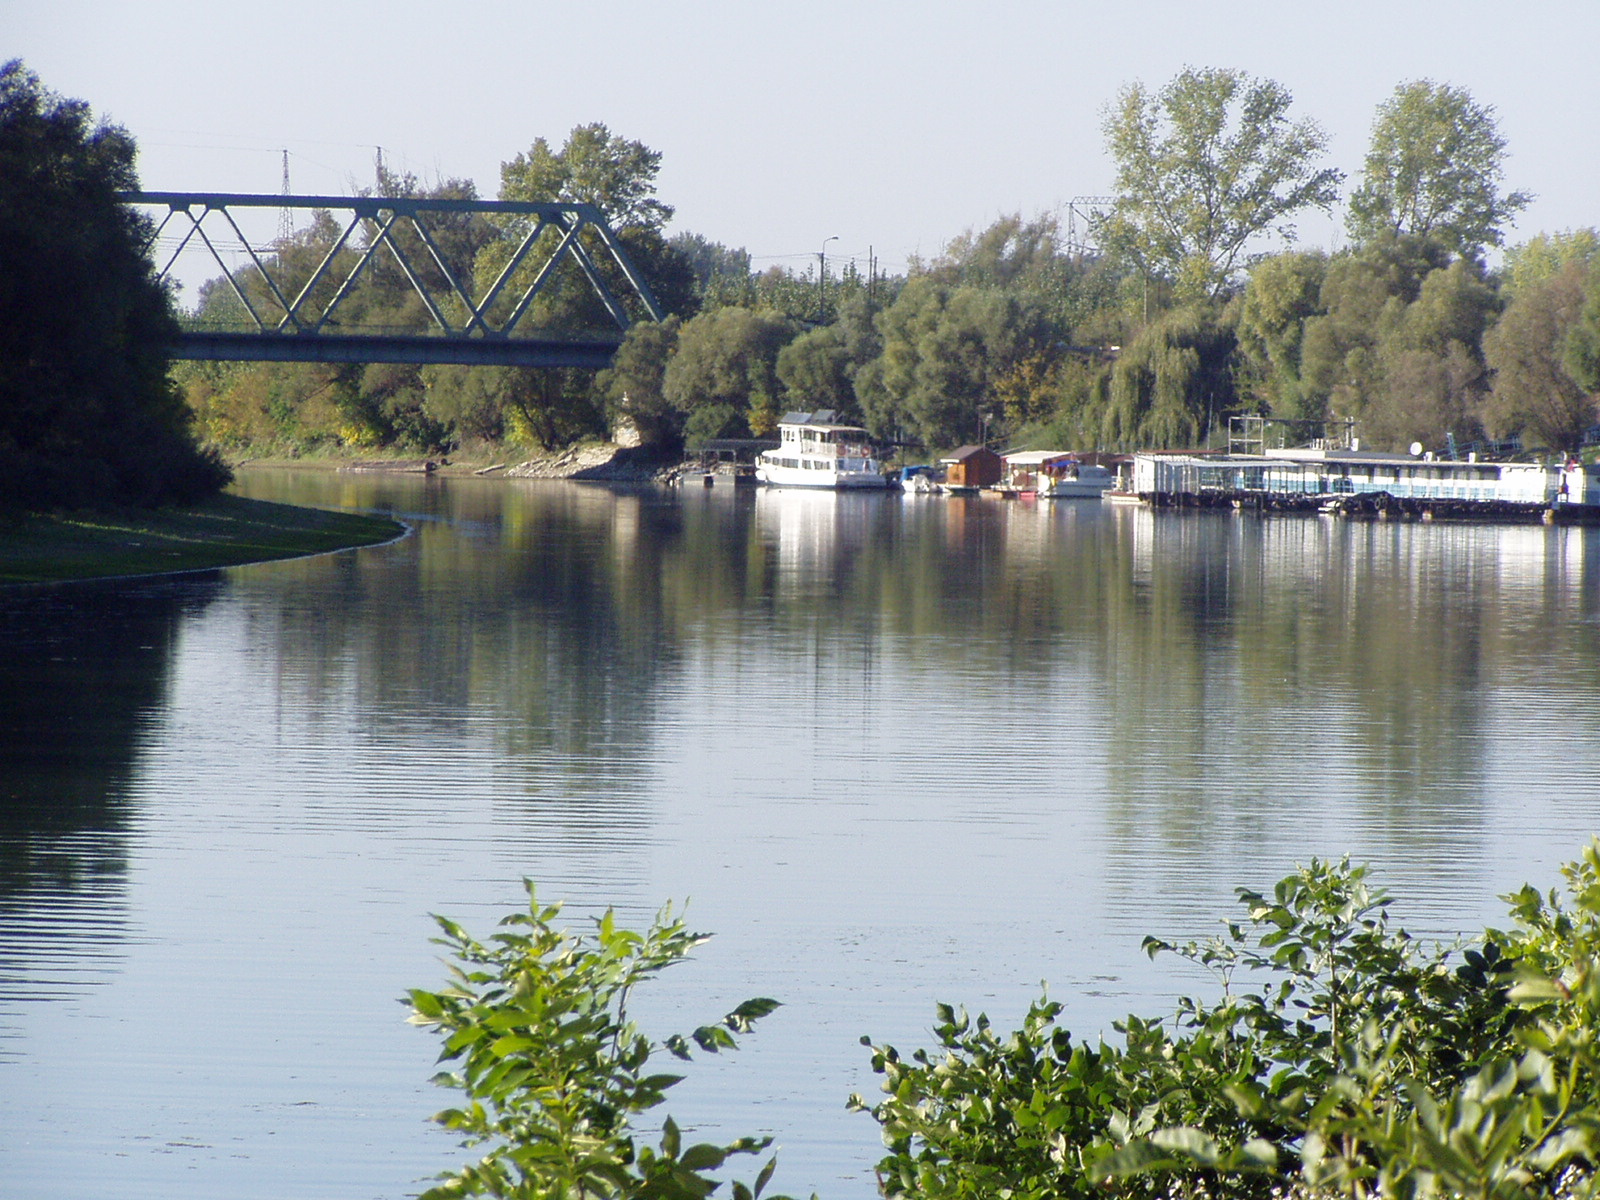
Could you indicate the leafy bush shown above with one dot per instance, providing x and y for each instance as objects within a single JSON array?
[
  {"x": 555, "y": 1072},
  {"x": 1341, "y": 1058}
]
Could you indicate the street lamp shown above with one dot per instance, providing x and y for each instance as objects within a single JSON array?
[{"x": 822, "y": 280}]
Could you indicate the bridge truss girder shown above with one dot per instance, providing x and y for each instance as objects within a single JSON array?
[{"x": 294, "y": 328}]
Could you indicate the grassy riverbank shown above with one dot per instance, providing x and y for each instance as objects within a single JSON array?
[{"x": 222, "y": 532}]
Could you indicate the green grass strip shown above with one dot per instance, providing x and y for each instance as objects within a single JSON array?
[{"x": 222, "y": 532}]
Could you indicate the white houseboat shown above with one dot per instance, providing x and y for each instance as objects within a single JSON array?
[
  {"x": 813, "y": 451},
  {"x": 1338, "y": 472}
]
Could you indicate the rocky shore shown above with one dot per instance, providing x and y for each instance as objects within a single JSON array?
[{"x": 601, "y": 462}]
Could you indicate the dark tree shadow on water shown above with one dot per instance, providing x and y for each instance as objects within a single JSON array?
[{"x": 86, "y": 671}]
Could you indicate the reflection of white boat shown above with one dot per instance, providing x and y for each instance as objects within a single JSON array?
[
  {"x": 1055, "y": 475},
  {"x": 816, "y": 453}
]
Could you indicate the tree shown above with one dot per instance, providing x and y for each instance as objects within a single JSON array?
[
  {"x": 597, "y": 167},
  {"x": 1395, "y": 342},
  {"x": 1533, "y": 393},
  {"x": 1282, "y": 295},
  {"x": 947, "y": 353},
  {"x": 1434, "y": 169},
  {"x": 633, "y": 384},
  {"x": 1581, "y": 356},
  {"x": 1544, "y": 256},
  {"x": 1206, "y": 167},
  {"x": 724, "y": 374},
  {"x": 818, "y": 369},
  {"x": 1173, "y": 383},
  {"x": 87, "y": 412}
]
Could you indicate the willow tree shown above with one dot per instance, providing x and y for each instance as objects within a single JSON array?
[{"x": 1206, "y": 168}]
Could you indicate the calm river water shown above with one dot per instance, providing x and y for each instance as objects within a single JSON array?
[{"x": 892, "y": 751}]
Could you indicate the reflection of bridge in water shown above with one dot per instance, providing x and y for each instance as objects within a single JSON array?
[{"x": 304, "y": 320}]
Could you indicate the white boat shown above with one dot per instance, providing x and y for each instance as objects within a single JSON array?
[
  {"x": 815, "y": 452},
  {"x": 919, "y": 480},
  {"x": 1082, "y": 481},
  {"x": 1055, "y": 475}
]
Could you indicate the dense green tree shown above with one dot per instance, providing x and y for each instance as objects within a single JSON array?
[
  {"x": 1031, "y": 256},
  {"x": 1434, "y": 378},
  {"x": 1363, "y": 300},
  {"x": 814, "y": 371},
  {"x": 549, "y": 407},
  {"x": 634, "y": 386},
  {"x": 1581, "y": 356},
  {"x": 1205, "y": 168},
  {"x": 1533, "y": 394},
  {"x": 1397, "y": 344},
  {"x": 87, "y": 412},
  {"x": 465, "y": 401},
  {"x": 1545, "y": 256},
  {"x": 724, "y": 374},
  {"x": 597, "y": 167},
  {"x": 948, "y": 354},
  {"x": 721, "y": 274},
  {"x": 1283, "y": 293},
  {"x": 818, "y": 368},
  {"x": 1434, "y": 169}
]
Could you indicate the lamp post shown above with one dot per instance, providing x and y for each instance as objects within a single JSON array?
[{"x": 822, "y": 280}]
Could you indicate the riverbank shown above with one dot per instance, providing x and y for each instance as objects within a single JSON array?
[
  {"x": 225, "y": 531},
  {"x": 599, "y": 462}
]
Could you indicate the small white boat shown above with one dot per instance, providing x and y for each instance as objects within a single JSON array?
[
  {"x": 815, "y": 452},
  {"x": 919, "y": 480},
  {"x": 1084, "y": 481}
]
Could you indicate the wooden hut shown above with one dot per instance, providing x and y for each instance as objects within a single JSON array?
[{"x": 972, "y": 467}]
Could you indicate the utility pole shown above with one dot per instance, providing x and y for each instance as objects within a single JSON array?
[{"x": 822, "y": 280}]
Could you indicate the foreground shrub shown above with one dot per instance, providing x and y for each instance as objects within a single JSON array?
[
  {"x": 1341, "y": 1058},
  {"x": 554, "y": 1071}
]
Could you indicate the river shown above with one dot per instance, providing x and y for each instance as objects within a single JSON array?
[{"x": 891, "y": 751}]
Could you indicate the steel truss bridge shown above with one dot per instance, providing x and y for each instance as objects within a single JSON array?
[{"x": 285, "y": 323}]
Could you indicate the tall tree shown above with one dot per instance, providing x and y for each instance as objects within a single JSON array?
[
  {"x": 1173, "y": 384},
  {"x": 597, "y": 167},
  {"x": 1205, "y": 168},
  {"x": 87, "y": 412},
  {"x": 1434, "y": 169}
]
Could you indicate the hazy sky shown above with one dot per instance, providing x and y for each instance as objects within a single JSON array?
[{"x": 894, "y": 126}]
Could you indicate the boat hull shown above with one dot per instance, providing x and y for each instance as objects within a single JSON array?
[
  {"x": 1075, "y": 491},
  {"x": 829, "y": 479}
]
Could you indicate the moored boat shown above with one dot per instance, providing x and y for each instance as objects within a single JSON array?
[
  {"x": 816, "y": 452},
  {"x": 1055, "y": 475}
]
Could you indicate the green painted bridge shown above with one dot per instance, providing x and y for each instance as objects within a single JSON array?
[{"x": 307, "y": 311}]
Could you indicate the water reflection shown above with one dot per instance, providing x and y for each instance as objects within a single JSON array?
[
  {"x": 897, "y": 750},
  {"x": 84, "y": 686}
]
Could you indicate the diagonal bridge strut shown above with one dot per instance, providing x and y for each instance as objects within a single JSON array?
[{"x": 313, "y": 315}]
